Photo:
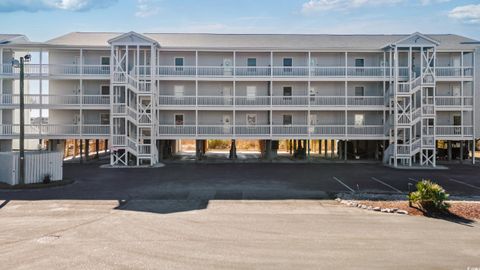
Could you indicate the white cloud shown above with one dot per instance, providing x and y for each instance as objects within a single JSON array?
[
  {"x": 467, "y": 14},
  {"x": 428, "y": 2},
  {"x": 147, "y": 8},
  {"x": 44, "y": 5},
  {"x": 326, "y": 5}
]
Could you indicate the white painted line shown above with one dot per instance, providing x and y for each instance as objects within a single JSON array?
[
  {"x": 343, "y": 184},
  {"x": 466, "y": 184},
  {"x": 381, "y": 182},
  {"x": 411, "y": 179}
]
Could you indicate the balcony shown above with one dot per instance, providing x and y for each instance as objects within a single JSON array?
[
  {"x": 453, "y": 101},
  {"x": 55, "y": 130},
  {"x": 52, "y": 101},
  {"x": 454, "y": 72},
  {"x": 37, "y": 70},
  {"x": 275, "y": 131},
  {"x": 454, "y": 131},
  {"x": 275, "y": 101}
]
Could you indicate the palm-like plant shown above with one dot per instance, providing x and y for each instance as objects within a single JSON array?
[{"x": 429, "y": 196}]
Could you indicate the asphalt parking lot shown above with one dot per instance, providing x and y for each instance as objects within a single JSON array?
[{"x": 246, "y": 181}]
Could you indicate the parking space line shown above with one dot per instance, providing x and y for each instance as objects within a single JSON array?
[
  {"x": 411, "y": 179},
  {"x": 343, "y": 184},
  {"x": 383, "y": 183},
  {"x": 463, "y": 183}
]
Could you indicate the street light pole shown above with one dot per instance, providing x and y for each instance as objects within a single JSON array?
[{"x": 22, "y": 124}]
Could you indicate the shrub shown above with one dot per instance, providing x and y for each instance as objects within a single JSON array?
[
  {"x": 218, "y": 144},
  {"x": 429, "y": 196}
]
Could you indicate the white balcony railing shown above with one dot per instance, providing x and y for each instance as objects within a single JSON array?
[
  {"x": 215, "y": 100},
  {"x": 253, "y": 71},
  {"x": 327, "y": 100},
  {"x": 275, "y": 100},
  {"x": 290, "y": 100},
  {"x": 454, "y": 130},
  {"x": 252, "y": 130},
  {"x": 366, "y": 101},
  {"x": 59, "y": 130},
  {"x": 451, "y": 101},
  {"x": 177, "y": 100},
  {"x": 367, "y": 130},
  {"x": 454, "y": 71},
  {"x": 223, "y": 71},
  {"x": 252, "y": 101},
  {"x": 55, "y": 100}
]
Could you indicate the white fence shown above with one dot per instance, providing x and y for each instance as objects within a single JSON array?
[{"x": 37, "y": 166}]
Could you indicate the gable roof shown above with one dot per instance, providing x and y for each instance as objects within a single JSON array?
[
  {"x": 132, "y": 37},
  {"x": 12, "y": 38},
  {"x": 264, "y": 41}
]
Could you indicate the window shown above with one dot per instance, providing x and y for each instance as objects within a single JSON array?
[
  {"x": 105, "y": 90},
  {"x": 104, "y": 119},
  {"x": 252, "y": 62},
  {"x": 287, "y": 93},
  {"x": 287, "y": 120},
  {"x": 179, "y": 62},
  {"x": 359, "y": 120},
  {"x": 359, "y": 91},
  {"x": 105, "y": 62},
  {"x": 287, "y": 63},
  {"x": 178, "y": 119},
  {"x": 178, "y": 90},
  {"x": 251, "y": 119},
  {"x": 359, "y": 62}
]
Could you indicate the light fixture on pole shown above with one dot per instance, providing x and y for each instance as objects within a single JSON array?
[{"x": 20, "y": 64}]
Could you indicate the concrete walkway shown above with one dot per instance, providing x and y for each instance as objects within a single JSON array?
[{"x": 280, "y": 234}]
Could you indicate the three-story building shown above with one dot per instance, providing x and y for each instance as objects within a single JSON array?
[{"x": 392, "y": 96}]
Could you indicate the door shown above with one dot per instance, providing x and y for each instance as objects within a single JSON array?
[
  {"x": 287, "y": 64},
  {"x": 287, "y": 93},
  {"x": 457, "y": 123},
  {"x": 227, "y": 95},
  {"x": 456, "y": 93},
  {"x": 227, "y": 67},
  {"x": 287, "y": 120},
  {"x": 251, "y": 92},
  {"x": 179, "y": 119},
  {"x": 313, "y": 123},
  {"x": 456, "y": 62},
  {"x": 178, "y": 92},
  {"x": 227, "y": 121}
]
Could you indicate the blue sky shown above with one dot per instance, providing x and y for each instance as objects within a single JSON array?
[{"x": 41, "y": 20}]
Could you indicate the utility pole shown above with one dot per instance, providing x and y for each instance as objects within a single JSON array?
[
  {"x": 21, "y": 65},
  {"x": 22, "y": 124}
]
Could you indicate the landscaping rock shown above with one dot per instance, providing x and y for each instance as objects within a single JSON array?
[
  {"x": 376, "y": 209},
  {"x": 364, "y": 206},
  {"x": 402, "y": 212},
  {"x": 384, "y": 210}
]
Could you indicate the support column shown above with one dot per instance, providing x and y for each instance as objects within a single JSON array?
[
  {"x": 233, "y": 150},
  {"x": 308, "y": 149},
  {"x": 332, "y": 147},
  {"x": 81, "y": 151},
  {"x": 87, "y": 149},
  {"x": 326, "y": 148},
  {"x": 268, "y": 149},
  {"x": 461, "y": 151},
  {"x": 198, "y": 149},
  {"x": 345, "y": 153},
  {"x": 97, "y": 146},
  {"x": 449, "y": 156}
]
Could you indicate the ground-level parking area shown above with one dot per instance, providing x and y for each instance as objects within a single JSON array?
[
  {"x": 231, "y": 216},
  {"x": 247, "y": 181}
]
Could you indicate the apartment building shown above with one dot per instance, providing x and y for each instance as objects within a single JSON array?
[{"x": 396, "y": 98}]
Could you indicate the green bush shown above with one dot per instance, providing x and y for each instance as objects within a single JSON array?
[{"x": 429, "y": 196}]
